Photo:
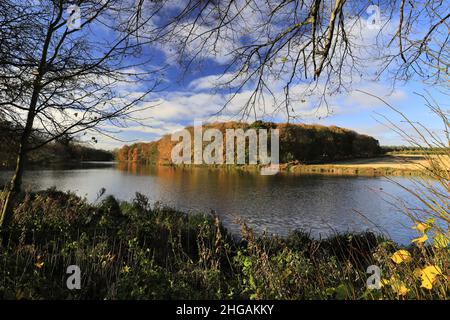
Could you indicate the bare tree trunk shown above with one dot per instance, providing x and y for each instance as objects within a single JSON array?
[
  {"x": 16, "y": 181},
  {"x": 12, "y": 191}
]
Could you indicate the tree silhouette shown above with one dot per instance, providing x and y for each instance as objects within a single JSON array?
[{"x": 60, "y": 77}]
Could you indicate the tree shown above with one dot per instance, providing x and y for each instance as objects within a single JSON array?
[
  {"x": 62, "y": 65},
  {"x": 311, "y": 48},
  {"x": 59, "y": 80}
]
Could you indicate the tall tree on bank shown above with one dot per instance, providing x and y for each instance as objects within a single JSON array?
[{"x": 63, "y": 67}]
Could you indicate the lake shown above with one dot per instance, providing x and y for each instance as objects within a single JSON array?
[{"x": 318, "y": 204}]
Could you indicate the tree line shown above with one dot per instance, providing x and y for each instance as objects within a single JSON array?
[
  {"x": 63, "y": 150},
  {"x": 298, "y": 142}
]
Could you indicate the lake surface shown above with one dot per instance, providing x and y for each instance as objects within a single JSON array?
[{"x": 277, "y": 204}]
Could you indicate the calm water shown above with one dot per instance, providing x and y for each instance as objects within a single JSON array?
[{"x": 278, "y": 204}]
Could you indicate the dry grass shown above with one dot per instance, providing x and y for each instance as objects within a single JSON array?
[
  {"x": 395, "y": 165},
  {"x": 398, "y": 161}
]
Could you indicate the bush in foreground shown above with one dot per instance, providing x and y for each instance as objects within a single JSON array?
[{"x": 137, "y": 251}]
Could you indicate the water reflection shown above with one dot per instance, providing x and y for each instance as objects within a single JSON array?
[{"x": 318, "y": 204}]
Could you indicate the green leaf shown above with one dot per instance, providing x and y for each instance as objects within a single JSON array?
[
  {"x": 343, "y": 292},
  {"x": 440, "y": 241}
]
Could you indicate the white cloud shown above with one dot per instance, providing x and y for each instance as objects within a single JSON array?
[
  {"x": 360, "y": 97},
  {"x": 177, "y": 109},
  {"x": 212, "y": 82}
]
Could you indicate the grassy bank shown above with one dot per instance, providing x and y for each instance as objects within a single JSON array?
[
  {"x": 391, "y": 165},
  {"x": 137, "y": 251}
]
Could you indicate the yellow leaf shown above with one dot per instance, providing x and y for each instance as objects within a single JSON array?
[
  {"x": 384, "y": 282},
  {"x": 426, "y": 284},
  {"x": 401, "y": 289},
  {"x": 429, "y": 275},
  {"x": 401, "y": 256},
  {"x": 420, "y": 240},
  {"x": 126, "y": 269},
  {"x": 417, "y": 272},
  {"x": 420, "y": 226},
  {"x": 39, "y": 264},
  {"x": 398, "y": 286}
]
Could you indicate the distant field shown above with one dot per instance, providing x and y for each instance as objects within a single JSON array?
[
  {"x": 398, "y": 161},
  {"x": 398, "y": 164}
]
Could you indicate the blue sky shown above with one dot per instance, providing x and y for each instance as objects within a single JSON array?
[{"x": 192, "y": 95}]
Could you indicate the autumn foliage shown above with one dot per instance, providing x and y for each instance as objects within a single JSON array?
[{"x": 298, "y": 142}]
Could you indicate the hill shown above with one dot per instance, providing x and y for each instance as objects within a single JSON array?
[{"x": 298, "y": 142}]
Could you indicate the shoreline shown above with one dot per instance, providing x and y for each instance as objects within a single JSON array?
[
  {"x": 342, "y": 170},
  {"x": 389, "y": 165}
]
